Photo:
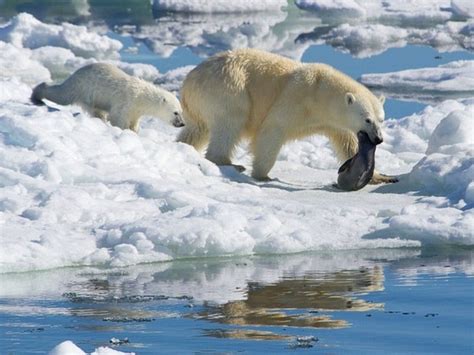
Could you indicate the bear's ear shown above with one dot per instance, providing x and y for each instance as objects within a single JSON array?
[
  {"x": 350, "y": 98},
  {"x": 382, "y": 99}
]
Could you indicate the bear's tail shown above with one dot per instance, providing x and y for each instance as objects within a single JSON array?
[{"x": 38, "y": 94}]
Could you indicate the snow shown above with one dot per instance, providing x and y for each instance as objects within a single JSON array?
[
  {"x": 69, "y": 348},
  {"x": 75, "y": 191},
  {"x": 218, "y": 6},
  {"x": 448, "y": 80},
  {"x": 26, "y": 31}
]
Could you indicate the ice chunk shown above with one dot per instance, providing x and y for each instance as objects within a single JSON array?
[
  {"x": 218, "y": 5},
  {"x": 455, "y": 79}
]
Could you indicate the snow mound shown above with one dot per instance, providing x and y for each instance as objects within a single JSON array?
[
  {"x": 69, "y": 348},
  {"x": 448, "y": 167},
  {"x": 455, "y": 79},
  {"x": 26, "y": 31},
  {"x": 17, "y": 63},
  {"x": 218, "y": 6}
]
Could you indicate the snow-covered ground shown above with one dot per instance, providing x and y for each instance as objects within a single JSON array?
[{"x": 76, "y": 191}]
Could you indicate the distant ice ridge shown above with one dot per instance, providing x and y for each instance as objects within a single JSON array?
[
  {"x": 448, "y": 80},
  {"x": 216, "y": 6},
  {"x": 69, "y": 348}
]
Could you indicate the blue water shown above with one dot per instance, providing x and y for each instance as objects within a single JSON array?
[
  {"x": 405, "y": 301},
  {"x": 415, "y": 303}
]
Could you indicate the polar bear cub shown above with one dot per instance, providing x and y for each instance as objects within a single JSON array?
[{"x": 107, "y": 92}]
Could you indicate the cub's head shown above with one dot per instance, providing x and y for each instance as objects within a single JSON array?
[
  {"x": 365, "y": 113},
  {"x": 169, "y": 109}
]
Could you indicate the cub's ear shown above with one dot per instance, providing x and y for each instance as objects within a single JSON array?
[
  {"x": 382, "y": 99},
  {"x": 350, "y": 98}
]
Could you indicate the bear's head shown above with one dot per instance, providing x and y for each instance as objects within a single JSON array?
[
  {"x": 365, "y": 113},
  {"x": 169, "y": 109}
]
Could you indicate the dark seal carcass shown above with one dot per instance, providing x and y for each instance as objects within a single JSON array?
[{"x": 356, "y": 172}]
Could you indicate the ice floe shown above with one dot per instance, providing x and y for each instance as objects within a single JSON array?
[
  {"x": 451, "y": 80},
  {"x": 69, "y": 348},
  {"x": 117, "y": 198},
  {"x": 76, "y": 191},
  {"x": 218, "y": 6},
  {"x": 425, "y": 10}
]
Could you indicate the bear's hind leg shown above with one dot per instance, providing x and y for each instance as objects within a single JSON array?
[
  {"x": 100, "y": 114},
  {"x": 195, "y": 134},
  {"x": 225, "y": 134},
  {"x": 266, "y": 146}
]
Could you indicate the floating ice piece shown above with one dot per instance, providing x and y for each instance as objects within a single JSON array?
[
  {"x": 345, "y": 8},
  {"x": 219, "y": 5},
  {"x": 455, "y": 79},
  {"x": 412, "y": 10},
  {"x": 66, "y": 348},
  {"x": 69, "y": 348}
]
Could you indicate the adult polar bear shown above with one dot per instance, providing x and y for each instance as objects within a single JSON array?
[
  {"x": 107, "y": 92},
  {"x": 270, "y": 99}
]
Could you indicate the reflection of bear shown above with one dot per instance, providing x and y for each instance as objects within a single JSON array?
[
  {"x": 107, "y": 92},
  {"x": 271, "y": 100}
]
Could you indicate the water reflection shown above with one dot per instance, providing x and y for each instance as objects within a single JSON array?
[
  {"x": 274, "y": 304},
  {"x": 254, "y": 298}
]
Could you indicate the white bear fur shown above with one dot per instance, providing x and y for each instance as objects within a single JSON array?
[
  {"x": 107, "y": 92},
  {"x": 270, "y": 100}
]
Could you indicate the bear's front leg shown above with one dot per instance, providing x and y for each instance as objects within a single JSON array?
[{"x": 266, "y": 146}]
